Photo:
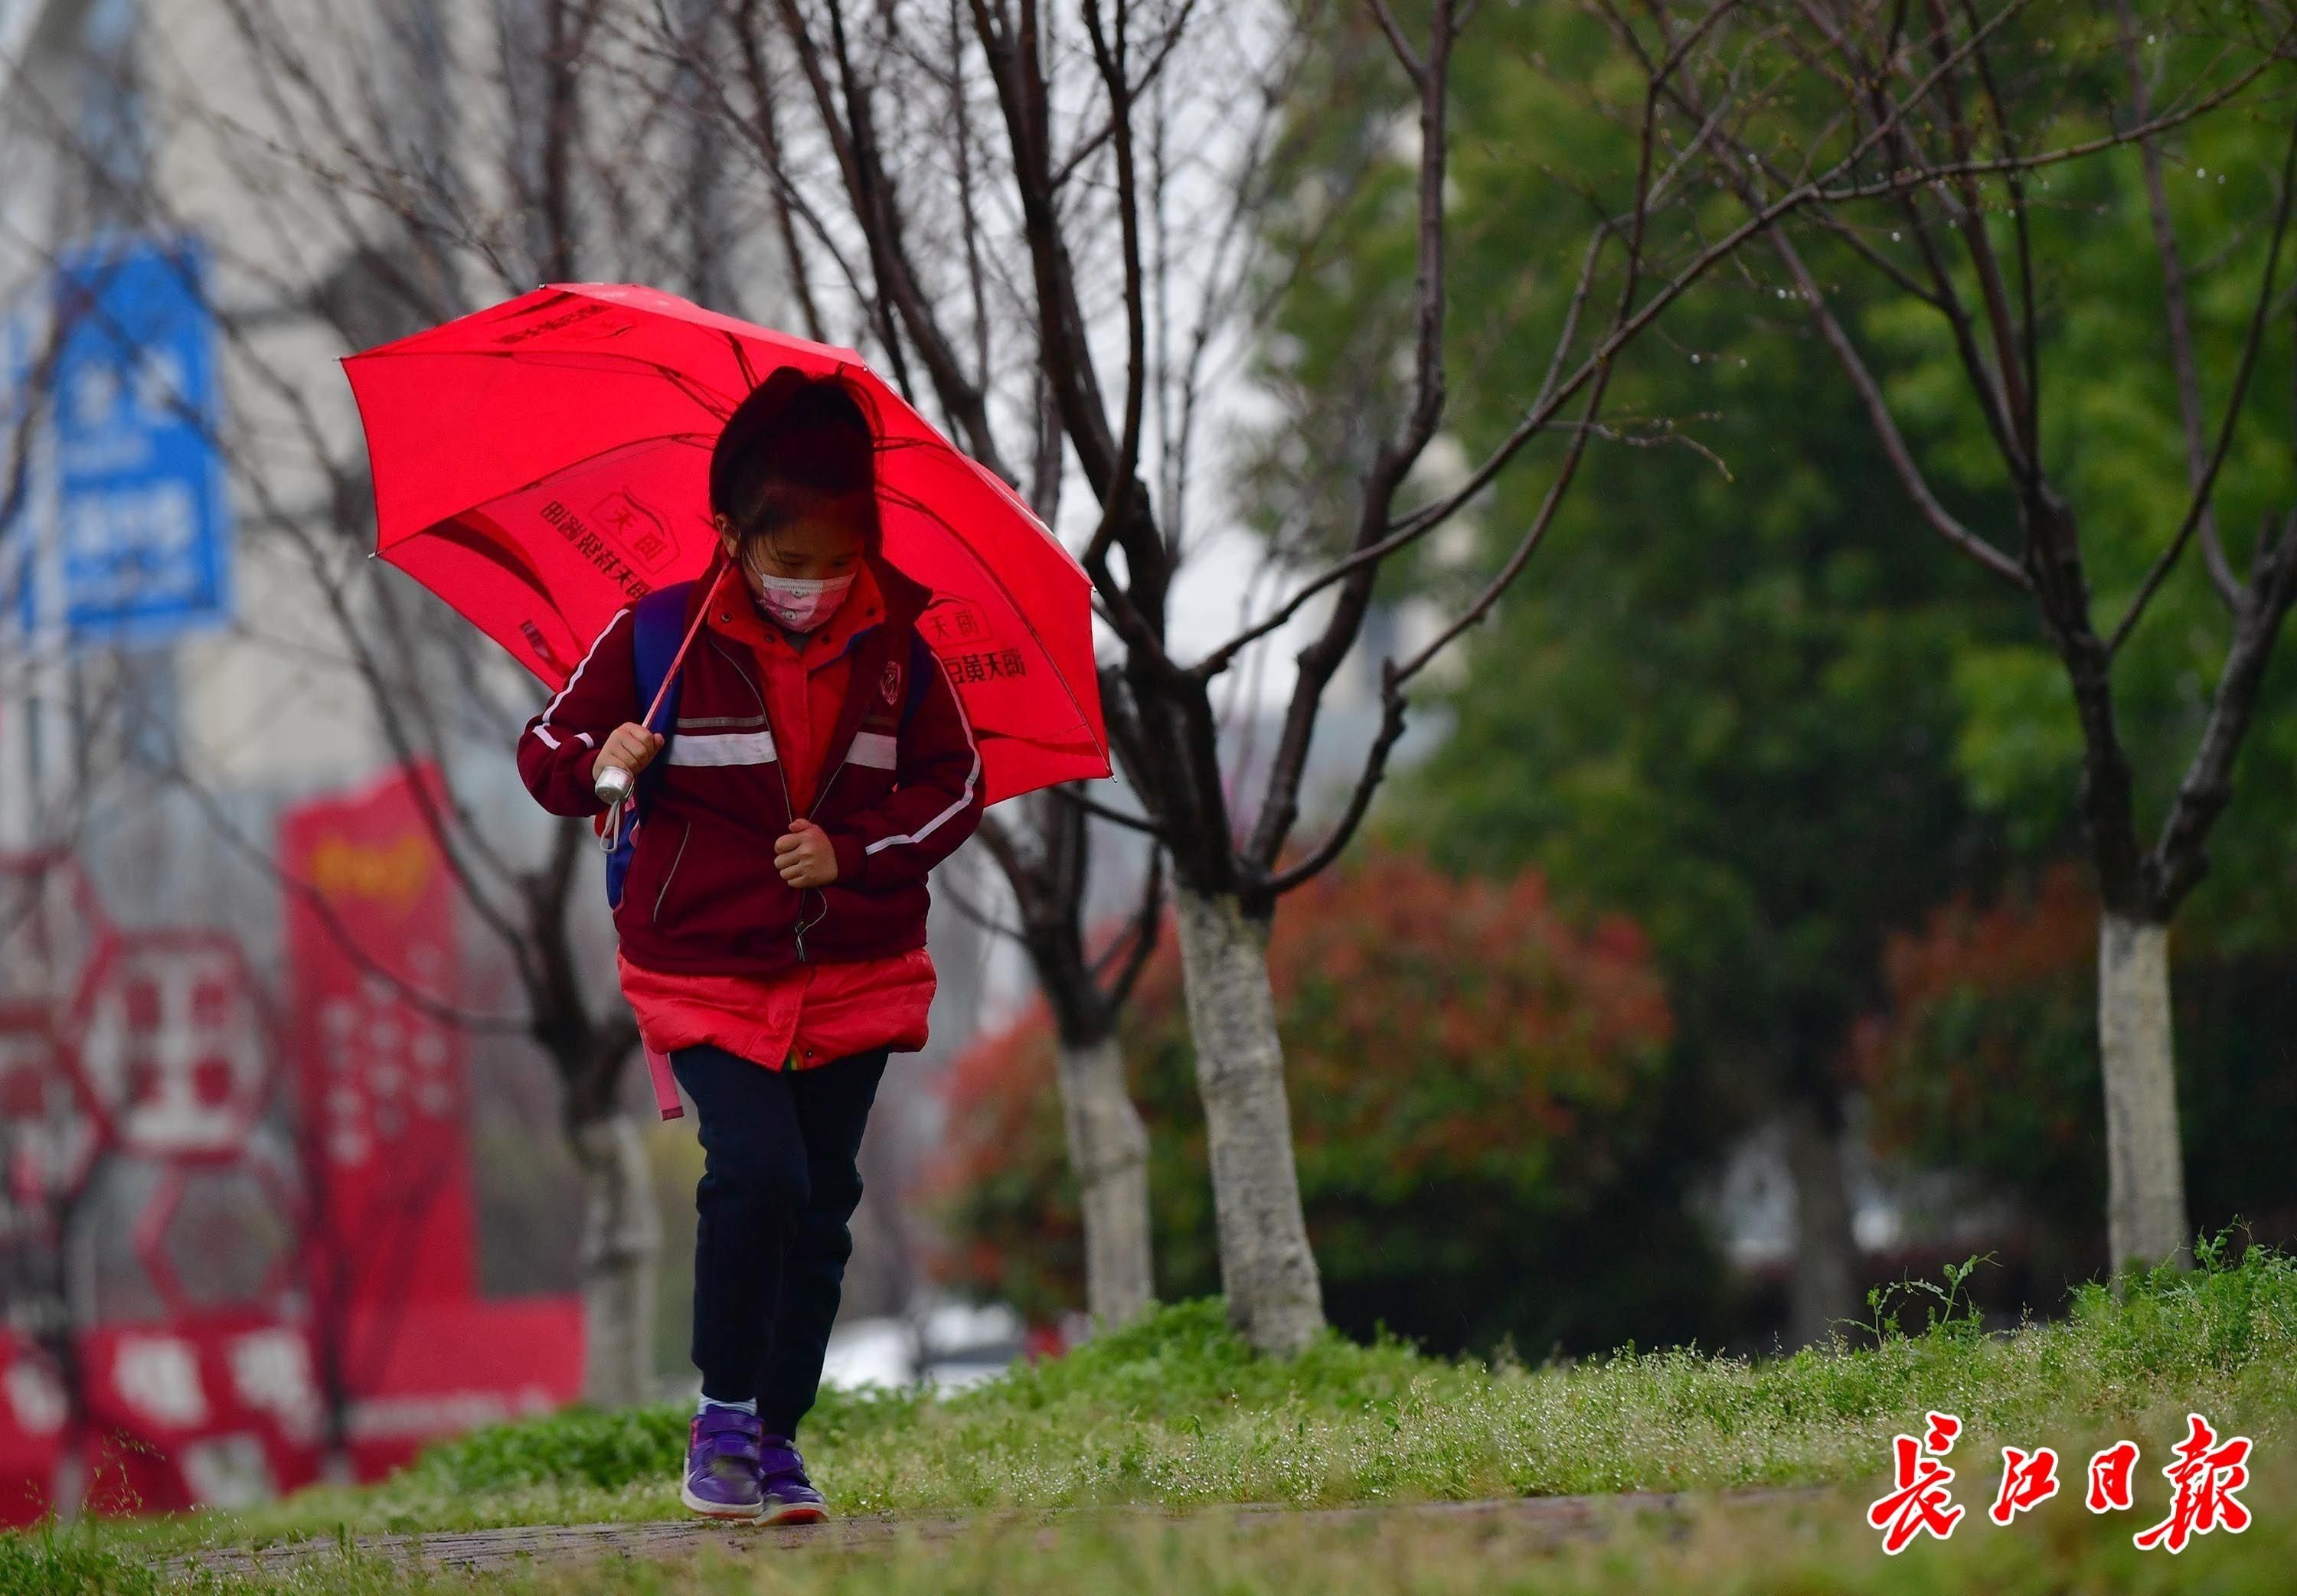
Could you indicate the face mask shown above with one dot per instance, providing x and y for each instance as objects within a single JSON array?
[{"x": 798, "y": 603}]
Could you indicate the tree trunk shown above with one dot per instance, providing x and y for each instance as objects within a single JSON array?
[
  {"x": 2145, "y": 1179},
  {"x": 1266, "y": 1267},
  {"x": 621, "y": 1235},
  {"x": 1108, "y": 1150},
  {"x": 1826, "y": 1289}
]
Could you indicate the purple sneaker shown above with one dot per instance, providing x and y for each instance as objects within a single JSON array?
[
  {"x": 722, "y": 1465},
  {"x": 790, "y": 1496}
]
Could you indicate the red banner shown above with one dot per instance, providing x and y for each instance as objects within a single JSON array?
[
  {"x": 152, "y": 1042},
  {"x": 228, "y": 1410},
  {"x": 453, "y": 1366},
  {"x": 372, "y": 954}
]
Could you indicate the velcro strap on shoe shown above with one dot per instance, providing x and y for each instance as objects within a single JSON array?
[
  {"x": 738, "y": 1449},
  {"x": 731, "y": 1436}
]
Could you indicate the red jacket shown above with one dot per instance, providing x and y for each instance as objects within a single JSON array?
[{"x": 899, "y": 789}]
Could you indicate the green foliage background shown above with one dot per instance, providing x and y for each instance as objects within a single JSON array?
[{"x": 1744, "y": 694}]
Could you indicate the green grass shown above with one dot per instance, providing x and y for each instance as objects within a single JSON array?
[
  {"x": 1812, "y": 1547},
  {"x": 50, "y": 1562},
  {"x": 1176, "y": 1412}
]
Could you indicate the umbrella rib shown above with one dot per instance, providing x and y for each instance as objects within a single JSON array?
[{"x": 742, "y": 363}]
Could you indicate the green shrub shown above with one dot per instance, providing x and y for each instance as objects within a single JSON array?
[
  {"x": 579, "y": 1445},
  {"x": 51, "y": 1562}
]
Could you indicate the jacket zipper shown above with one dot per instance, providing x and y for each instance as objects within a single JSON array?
[
  {"x": 820, "y": 794},
  {"x": 663, "y": 891},
  {"x": 803, "y": 924},
  {"x": 781, "y": 774},
  {"x": 756, "y": 692}
]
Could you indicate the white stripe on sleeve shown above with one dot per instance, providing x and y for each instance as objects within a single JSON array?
[
  {"x": 551, "y": 708},
  {"x": 971, "y": 776}
]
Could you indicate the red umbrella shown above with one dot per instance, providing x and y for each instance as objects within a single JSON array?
[{"x": 544, "y": 462}]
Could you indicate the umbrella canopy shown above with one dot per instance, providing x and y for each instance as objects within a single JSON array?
[{"x": 544, "y": 462}]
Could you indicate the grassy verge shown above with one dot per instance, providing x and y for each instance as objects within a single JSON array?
[
  {"x": 1176, "y": 1412},
  {"x": 1812, "y": 1547}
]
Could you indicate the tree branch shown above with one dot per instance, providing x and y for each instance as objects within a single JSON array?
[
  {"x": 2204, "y": 482},
  {"x": 1886, "y": 425},
  {"x": 2179, "y": 858},
  {"x": 1070, "y": 794}
]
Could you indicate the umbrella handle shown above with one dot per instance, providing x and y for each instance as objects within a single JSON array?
[{"x": 615, "y": 786}]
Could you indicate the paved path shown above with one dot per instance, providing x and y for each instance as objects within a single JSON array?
[{"x": 1549, "y": 1518}]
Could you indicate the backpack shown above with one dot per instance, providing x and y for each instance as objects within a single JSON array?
[{"x": 657, "y": 627}]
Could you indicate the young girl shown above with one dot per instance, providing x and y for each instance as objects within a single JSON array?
[{"x": 773, "y": 917}]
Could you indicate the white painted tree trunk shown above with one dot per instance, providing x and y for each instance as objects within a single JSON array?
[
  {"x": 1108, "y": 1150},
  {"x": 622, "y": 1234},
  {"x": 1267, "y": 1270},
  {"x": 2145, "y": 1172},
  {"x": 1824, "y": 1290}
]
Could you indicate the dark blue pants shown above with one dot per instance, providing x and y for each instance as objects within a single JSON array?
[{"x": 780, "y": 1179}]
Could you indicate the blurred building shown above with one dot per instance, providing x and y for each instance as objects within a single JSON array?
[
  {"x": 181, "y": 140},
  {"x": 90, "y": 728},
  {"x": 191, "y": 123}
]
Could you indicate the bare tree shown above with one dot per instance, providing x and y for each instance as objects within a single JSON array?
[
  {"x": 1061, "y": 202},
  {"x": 1973, "y": 255},
  {"x": 382, "y": 168},
  {"x": 868, "y": 288},
  {"x": 1046, "y": 860}
]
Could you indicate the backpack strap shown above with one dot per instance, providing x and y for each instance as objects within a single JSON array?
[
  {"x": 657, "y": 630},
  {"x": 921, "y": 661},
  {"x": 657, "y": 627}
]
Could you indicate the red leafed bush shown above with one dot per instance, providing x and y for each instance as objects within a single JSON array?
[
  {"x": 1985, "y": 1058},
  {"x": 1471, "y": 1079}
]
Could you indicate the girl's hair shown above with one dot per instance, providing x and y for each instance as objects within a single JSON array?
[{"x": 796, "y": 441}]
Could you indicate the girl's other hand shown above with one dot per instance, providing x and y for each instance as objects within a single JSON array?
[
  {"x": 629, "y": 745},
  {"x": 804, "y": 857}
]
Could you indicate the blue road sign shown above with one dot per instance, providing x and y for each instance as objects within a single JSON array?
[{"x": 143, "y": 516}]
